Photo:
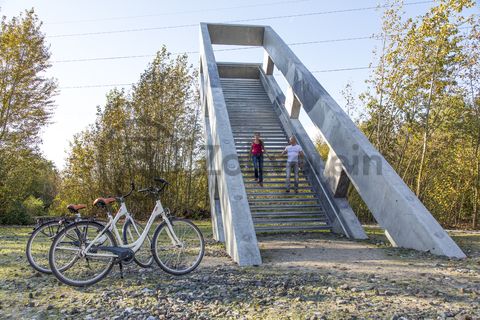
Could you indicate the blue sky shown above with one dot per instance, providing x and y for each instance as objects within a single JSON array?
[{"x": 76, "y": 107}]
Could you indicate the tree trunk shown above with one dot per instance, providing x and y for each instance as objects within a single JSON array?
[
  {"x": 379, "y": 120},
  {"x": 402, "y": 153},
  {"x": 476, "y": 184},
  {"x": 459, "y": 210},
  {"x": 476, "y": 188},
  {"x": 423, "y": 156}
]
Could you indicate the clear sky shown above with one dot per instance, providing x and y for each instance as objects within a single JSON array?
[{"x": 65, "y": 21}]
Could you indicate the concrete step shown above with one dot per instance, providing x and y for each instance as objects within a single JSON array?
[
  {"x": 272, "y": 172},
  {"x": 274, "y": 161},
  {"x": 278, "y": 185},
  {"x": 272, "y": 200},
  {"x": 289, "y": 214},
  {"x": 280, "y": 194},
  {"x": 277, "y": 188},
  {"x": 290, "y": 228},
  {"x": 269, "y": 127},
  {"x": 277, "y": 172},
  {"x": 248, "y": 142},
  {"x": 241, "y": 107},
  {"x": 234, "y": 90},
  {"x": 241, "y": 123},
  {"x": 249, "y": 108},
  {"x": 248, "y": 135},
  {"x": 245, "y": 147},
  {"x": 273, "y": 166},
  {"x": 273, "y": 137},
  {"x": 259, "y": 119},
  {"x": 247, "y": 158},
  {"x": 257, "y": 116},
  {"x": 267, "y": 120},
  {"x": 278, "y": 134},
  {"x": 253, "y": 99},
  {"x": 287, "y": 220},
  {"x": 269, "y": 184},
  {"x": 262, "y": 130},
  {"x": 283, "y": 207}
]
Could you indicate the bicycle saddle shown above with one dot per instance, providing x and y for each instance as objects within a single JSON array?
[
  {"x": 76, "y": 207},
  {"x": 103, "y": 201}
]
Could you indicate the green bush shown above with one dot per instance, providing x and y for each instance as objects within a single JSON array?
[
  {"x": 33, "y": 206},
  {"x": 23, "y": 212}
]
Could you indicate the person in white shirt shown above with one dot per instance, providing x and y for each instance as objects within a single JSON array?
[{"x": 293, "y": 151}]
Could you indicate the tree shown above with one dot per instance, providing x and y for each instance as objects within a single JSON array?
[
  {"x": 154, "y": 131},
  {"x": 25, "y": 92},
  {"x": 27, "y": 180},
  {"x": 422, "y": 106},
  {"x": 469, "y": 123}
]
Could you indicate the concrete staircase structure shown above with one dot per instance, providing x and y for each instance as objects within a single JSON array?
[
  {"x": 239, "y": 99},
  {"x": 271, "y": 207}
]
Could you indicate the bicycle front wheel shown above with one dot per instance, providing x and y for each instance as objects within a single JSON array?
[
  {"x": 39, "y": 243},
  {"x": 72, "y": 264},
  {"x": 131, "y": 233},
  {"x": 178, "y": 250}
]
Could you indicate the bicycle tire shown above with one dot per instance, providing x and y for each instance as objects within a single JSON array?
[
  {"x": 125, "y": 235},
  {"x": 155, "y": 249},
  {"x": 53, "y": 228},
  {"x": 58, "y": 272}
]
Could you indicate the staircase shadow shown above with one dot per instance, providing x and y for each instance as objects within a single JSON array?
[{"x": 310, "y": 248}]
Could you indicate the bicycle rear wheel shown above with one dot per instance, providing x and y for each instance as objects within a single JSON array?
[
  {"x": 68, "y": 261},
  {"x": 39, "y": 243},
  {"x": 143, "y": 257},
  {"x": 180, "y": 257}
]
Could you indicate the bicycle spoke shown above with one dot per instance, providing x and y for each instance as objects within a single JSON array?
[
  {"x": 71, "y": 264},
  {"x": 185, "y": 255}
]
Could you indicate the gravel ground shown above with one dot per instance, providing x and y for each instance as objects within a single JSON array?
[{"x": 304, "y": 276}]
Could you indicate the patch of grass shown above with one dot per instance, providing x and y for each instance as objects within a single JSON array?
[{"x": 227, "y": 291}]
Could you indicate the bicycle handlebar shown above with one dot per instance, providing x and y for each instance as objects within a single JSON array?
[
  {"x": 121, "y": 198},
  {"x": 161, "y": 180},
  {"x": 156, "y": 190},
  {"x": 132, "y": 185}
]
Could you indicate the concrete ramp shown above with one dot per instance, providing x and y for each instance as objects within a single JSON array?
[{"x": 239, "y": 99}]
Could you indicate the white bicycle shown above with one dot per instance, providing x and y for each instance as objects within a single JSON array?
[{"x": 84, "y": 253}]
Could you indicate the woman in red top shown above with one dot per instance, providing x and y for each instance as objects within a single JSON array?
[{"x": 257, "y": 149}]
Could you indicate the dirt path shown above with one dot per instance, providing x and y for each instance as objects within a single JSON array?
[
  {"x": 304, "y": 276},
  {"x": 324, "y": 251}
]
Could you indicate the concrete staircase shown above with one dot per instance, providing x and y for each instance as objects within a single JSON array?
[{"x": 273, "y": 209}]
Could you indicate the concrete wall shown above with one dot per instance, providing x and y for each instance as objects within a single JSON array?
[{"x": 239, "y": 233}]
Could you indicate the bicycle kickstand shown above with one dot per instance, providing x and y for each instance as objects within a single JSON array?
[{"x": 121, "y": 269}]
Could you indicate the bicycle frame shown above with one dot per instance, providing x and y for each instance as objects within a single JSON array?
[{"x": 134, "y": 246}]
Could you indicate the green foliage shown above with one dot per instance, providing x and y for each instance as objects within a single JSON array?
[
  {"x": 27, "y": 180},
  {"x": 422, "y": 108},
  {"x": 33, "y": 206},
  {"x": 154, "y": 131},
  {"x": 26, "y": 94}
]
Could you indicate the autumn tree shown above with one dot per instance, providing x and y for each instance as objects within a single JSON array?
[
  {"x": 421, "y": 105},
  {"x": 26, "y": 102},
  {"x": 152, "y": 131}
]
